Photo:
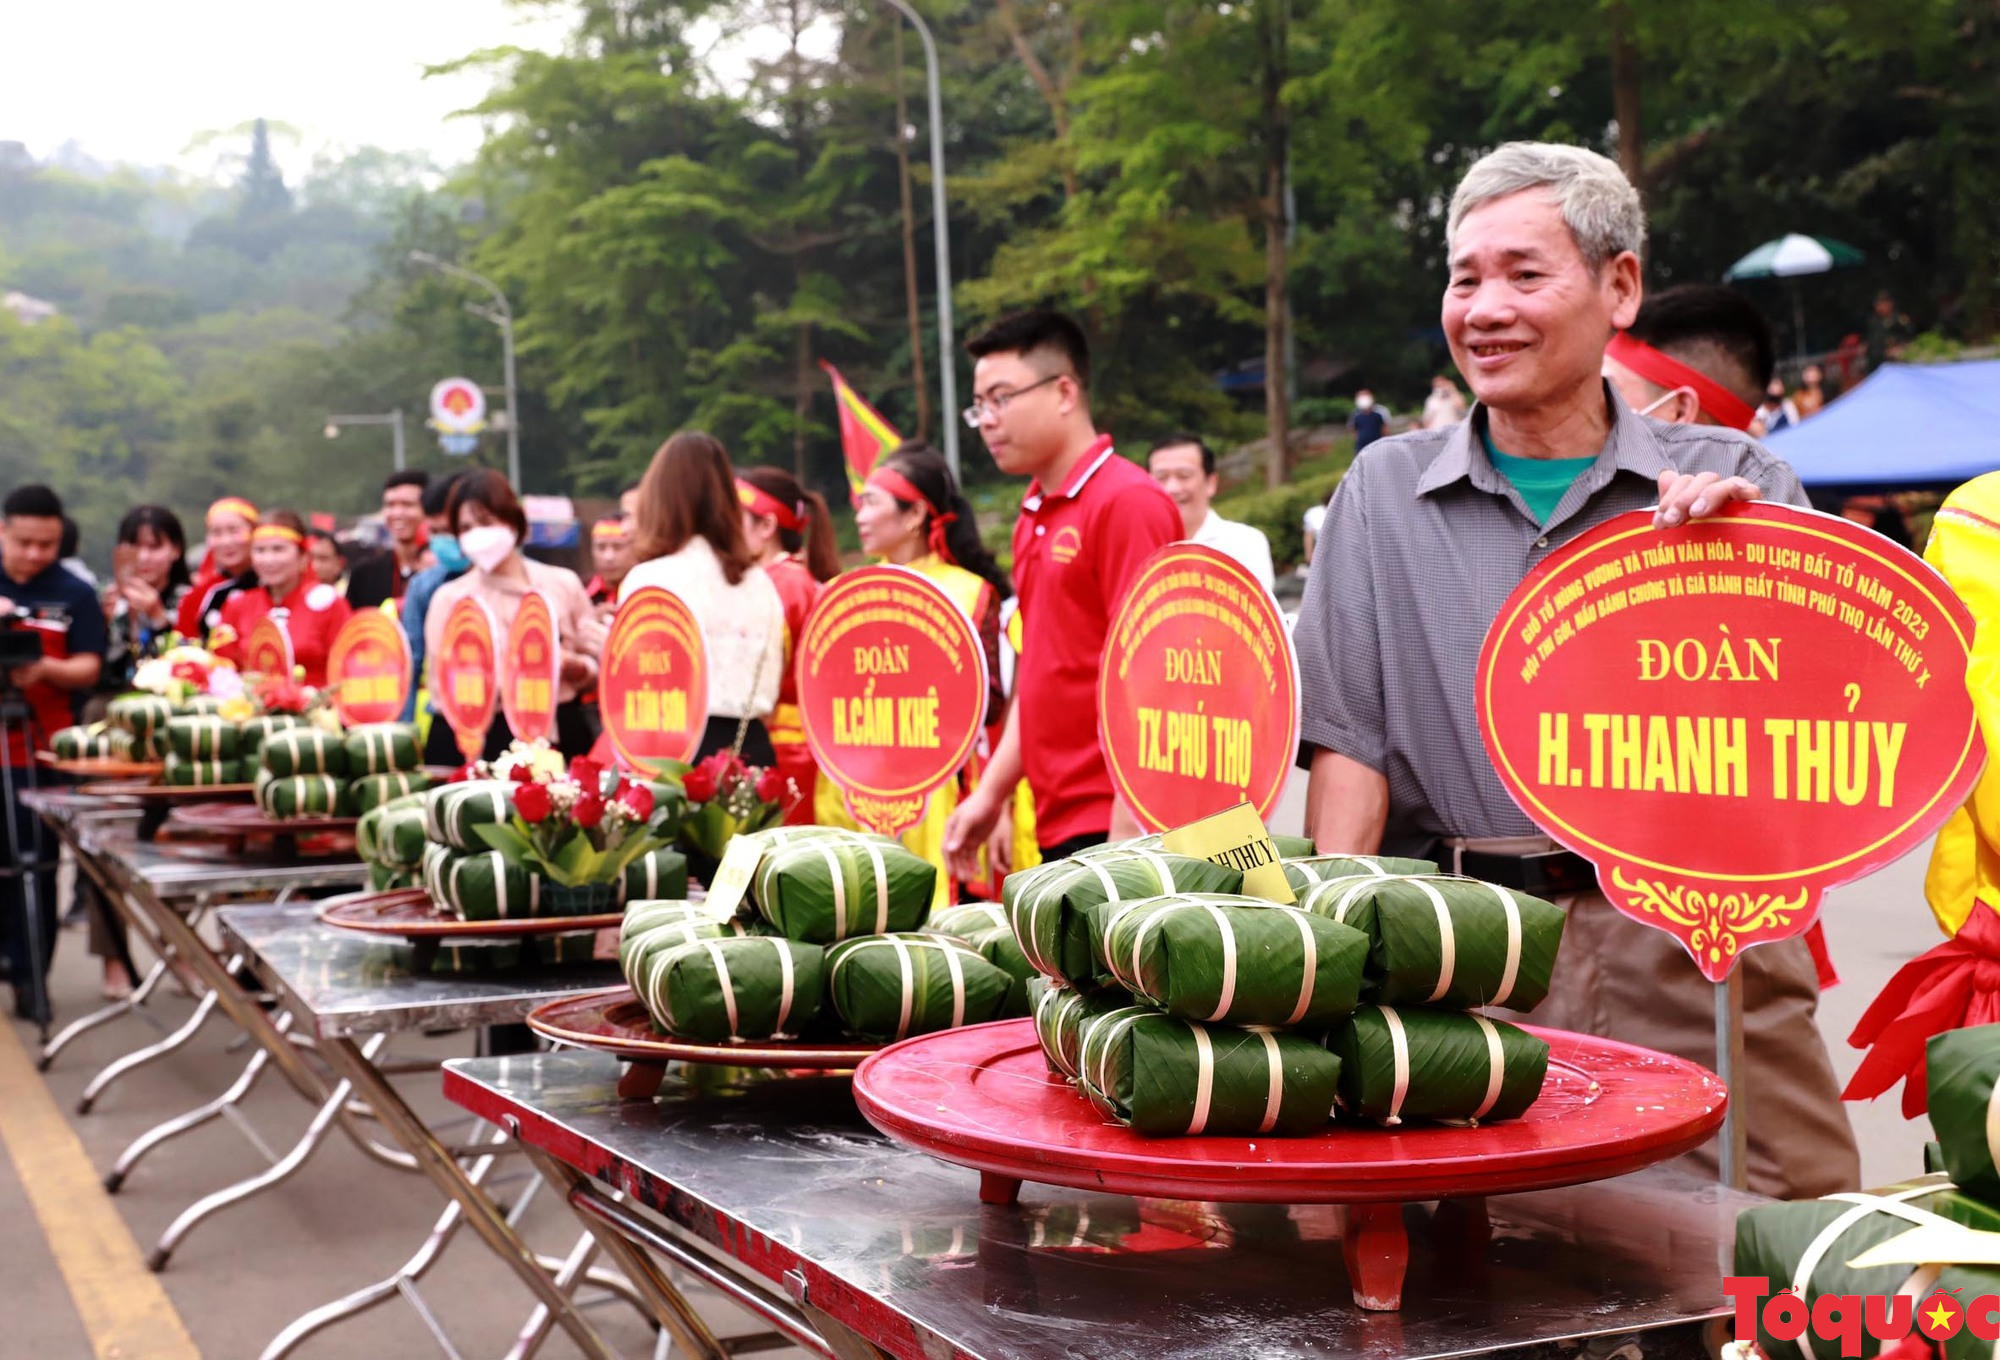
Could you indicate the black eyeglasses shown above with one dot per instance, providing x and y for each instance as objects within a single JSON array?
[{"x": 997, "y": 402}]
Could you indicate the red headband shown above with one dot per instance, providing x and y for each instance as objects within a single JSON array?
[
  {"x": 905, "y": 490},
  {"x": 758, "y": 501},
  {"x": 1663, "y": 370}
]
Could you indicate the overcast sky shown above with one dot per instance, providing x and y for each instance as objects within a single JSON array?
[{"x": 138, "y": 81}]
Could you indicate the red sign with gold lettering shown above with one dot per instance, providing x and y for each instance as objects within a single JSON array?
[
  {"x": 368, "y": 669},
  {"x": 653, "y": 685},
  {"x": 533, "y": 670},
  {"x": 465, "y": 680},
  {"x": 268, "y": 649},
  {"x": 892, "y": 692},
  {"x": 1729, "y": 718},
  {"x": 1198, "y": 698}
]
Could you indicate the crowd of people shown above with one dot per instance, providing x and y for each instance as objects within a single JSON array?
[{"x": 1590, "y": 399}]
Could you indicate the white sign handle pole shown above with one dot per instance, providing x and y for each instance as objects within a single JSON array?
[{"x": 1734, "y": 1158}]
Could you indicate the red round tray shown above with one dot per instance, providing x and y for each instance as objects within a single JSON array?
[
  {"x": 167, "y": 793},
  {"x": 614, "y": 1022},
  {"x": 410, "y": 914},
  {"x": 247, "y": 819},
  {"x": 983, "y": 1097},
  {"x": 99, "y": 767}
]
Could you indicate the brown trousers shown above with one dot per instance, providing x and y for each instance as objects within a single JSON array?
[{"x": 1618, "y": 979}]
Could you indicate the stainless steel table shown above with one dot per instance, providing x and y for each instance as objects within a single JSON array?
[
  {"x": 348, "y": 993},
  {"x": 780, "y": 1195}
]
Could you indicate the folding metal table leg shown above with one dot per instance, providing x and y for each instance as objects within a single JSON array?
[
  {"x": 126, "y": 1005},
  {"x": 87, "y": 865},
  {"x": 193, "y": 1119},
  {"x": 481, "y": 1214},
  {"x": 283, "y": 1170},
  {"x": 152, "y": 1052}
]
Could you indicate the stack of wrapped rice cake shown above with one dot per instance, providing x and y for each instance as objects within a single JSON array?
[
  {"x": 304, "y": 771},
  {"x": 1179, "y": 1006},
  {"x": 830, "y": 943}
]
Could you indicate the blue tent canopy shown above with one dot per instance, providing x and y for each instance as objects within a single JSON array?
[{"x": 1907, "y": 426}]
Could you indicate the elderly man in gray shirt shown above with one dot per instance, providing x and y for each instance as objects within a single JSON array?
[{"x": 1427, "y": 536}]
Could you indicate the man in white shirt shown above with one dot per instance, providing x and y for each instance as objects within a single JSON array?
[{"x": 1184, "y": 467}]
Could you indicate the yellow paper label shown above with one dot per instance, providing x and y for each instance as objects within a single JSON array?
[
  {"x": 733, "y": 876},
  {"x": 1236, "y": 839}
]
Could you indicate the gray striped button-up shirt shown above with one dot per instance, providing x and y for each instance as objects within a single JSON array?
[{"x": 1423, "y": 542}]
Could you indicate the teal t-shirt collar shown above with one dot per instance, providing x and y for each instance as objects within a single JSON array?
[{"x": 1541, "y": 482}]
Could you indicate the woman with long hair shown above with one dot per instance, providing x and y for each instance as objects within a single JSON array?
[
  {"x": 790, "y": 533},
  {"x": 690, "y": 540},
  {"x": 309, "y": 612},
  {"x": 225, "y": 568},
  {"x": 149, "y": 580},
  {"x": 912, "y": 514},
  {"x": 491, "y": 528}
]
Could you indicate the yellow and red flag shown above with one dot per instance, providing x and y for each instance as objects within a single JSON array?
[{"x": 865, "y": 437}]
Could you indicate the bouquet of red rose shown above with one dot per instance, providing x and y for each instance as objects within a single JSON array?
[
  {"x": 727, "y": 798},
  {"x": 576, "y": 827}
]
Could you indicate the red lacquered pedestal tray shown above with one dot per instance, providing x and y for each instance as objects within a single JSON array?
[
  {"x": 238, "y": 823},
  {"x": 100, "y": 767},
  {"x": 410, "y": 914},
  {"x": 148, "y": 792},
  {"x": 984, "y": 1097},
  {"x": 613, "y": 1021}
]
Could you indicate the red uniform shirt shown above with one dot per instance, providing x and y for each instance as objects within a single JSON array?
[
  {"x": 1077, "y": 551},
  {"x": 314, "y": 612},
  {"x": 799, "y": 590}
]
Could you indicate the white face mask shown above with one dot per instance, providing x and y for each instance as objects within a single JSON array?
[
  {"x": 488, "y": 545},
  {"x": 1654, "y": 406},
  {"x": 1364, "y": 403}
]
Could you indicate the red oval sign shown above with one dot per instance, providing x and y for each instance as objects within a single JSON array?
[
  {"x": 653, "y": 684},
  {"x": 465, "y": 675},
  {"x": 1731, "y": 718},
  {"x": 368, "y": 669},
  {"x": 268, "y": 649},
  {"x": 892, "y": 692},
  {"x": 1198, "y": 698},
  {"x": 533, "y": 673}
]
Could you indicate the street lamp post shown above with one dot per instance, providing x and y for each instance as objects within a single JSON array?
[
  {"x": 941, "y": 238},
  {"x": 501, "y": 315},
  {"x": 393, "y": 419}
]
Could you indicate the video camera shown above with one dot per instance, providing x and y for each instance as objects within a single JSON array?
[{"x": 20, "y": 645}]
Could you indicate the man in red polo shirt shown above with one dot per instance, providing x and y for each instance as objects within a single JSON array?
[{"x": 1088, "y": 523}]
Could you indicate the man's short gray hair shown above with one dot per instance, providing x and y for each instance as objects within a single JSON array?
[{"x": 1599, "y": 205}]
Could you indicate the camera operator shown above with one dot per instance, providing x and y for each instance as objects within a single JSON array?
[{"x": 38, "y": 598}]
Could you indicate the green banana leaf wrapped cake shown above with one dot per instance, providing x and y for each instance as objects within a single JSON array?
[
  {"x": 1308, "y": 870},
  {"x": 252, "y": 735},
  {"x": 390, "y": 877},
  {"x": 672, "y": 922},
  {"x": 1165, "y": 1077},
  {"x": 485, "y": 887},
  {"x": 661, "y": 873},
  {"x": 1438, "y": 940},
  {"x": 455, "y": 809},
  {"x": 889, "y": 987},
  {"x": 1232, "y": 960},
  {"x": 749, "y": 987},
  {"x": 392, "y": 833},
  {"x": 203, "y": 706},
  {"x": 371, "y": 791},
  {"x": 301, "y": 796},
  {"x": 298, "y": 751},
  {"x": 1962, "y": 1069},
  {"x": 1413, "y": 1063},
  {"x": 383, "y": 748},
  {"x": 202, "y": 738},
  {"x": 81, "y": 743},
  {"x": 1807, "y": 1244},
  {"x": 983, "y": 925},
  {"x": 1063, "y": 1013},
  {"x": 145, "y": 716},
  {"x": 1051, "y": 912},
  {"x": 825, "y": 890},
  {"x": 200, "y": 774}
]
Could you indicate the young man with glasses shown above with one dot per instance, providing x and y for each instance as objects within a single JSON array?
[{"x": 1088, "y": 523}]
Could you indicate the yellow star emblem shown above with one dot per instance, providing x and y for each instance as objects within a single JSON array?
[{"x": 1938, "y": 1316}]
